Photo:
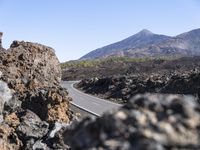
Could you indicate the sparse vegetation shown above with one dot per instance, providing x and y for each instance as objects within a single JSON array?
[{"x": 110, "y": 60}]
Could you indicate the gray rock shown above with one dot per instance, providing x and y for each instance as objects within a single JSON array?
[
  {"x": 13, "y": 104},
  {"x": 31, "y": 127},
  {"x": 40, "y": 146},
  {"x": 57, "y": 127},
  {"x": 54, "y": 139},
  {"x": 5, "y": 95},
  {"x": 150, "y": 121}
]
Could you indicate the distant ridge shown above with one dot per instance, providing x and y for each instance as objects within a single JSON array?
[{"x": 147, "y": 44}]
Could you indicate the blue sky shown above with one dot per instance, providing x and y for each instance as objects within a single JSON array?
[{"x": 75, "y": 27}]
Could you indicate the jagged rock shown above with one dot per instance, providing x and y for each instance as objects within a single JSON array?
[
  {"x": 34, "y": 72},
  {"x": 183, "y": 84},
  {"x": 55, "y": 137},
  {"x": 59, "y": 106},
  {"x": 122, "y": 88},
  {"x": 156, "y": 122},
  {"x": 31, "y": 98},
  {"x": 30, "y": 65},
  {"x": 39, "y": 146},
  {"x": 31, "y": 127},
  {"x": 14, "y": 104},
  {"x": 51, "y": 104},
  {"x": 12, "y": 120},
  {"x": 5, "y": 96},
  {"x": 8, "y": 138}
]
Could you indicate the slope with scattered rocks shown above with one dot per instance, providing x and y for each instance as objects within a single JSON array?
[
  {"x": 121, "y": 88},
  {"x": 79, "y": 70}
]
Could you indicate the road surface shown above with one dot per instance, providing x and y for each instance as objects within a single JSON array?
[{"x": 91, "y": 104}]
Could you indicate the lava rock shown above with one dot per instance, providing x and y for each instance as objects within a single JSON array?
[
  {"x": 147, "y": 121},
  {"x": 31, "y": 97},
  {"x": 31, "y": 126},
  {"x": 8, "y": 138},
  {"x": 30, "y": 65},
  {"x": 50, "y": 104},
  {"x": 5, "y": 95},
  {"x": 122, "y": 88}
]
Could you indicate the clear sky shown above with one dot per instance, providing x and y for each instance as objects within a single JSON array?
[{"x": 76, "y": 27}]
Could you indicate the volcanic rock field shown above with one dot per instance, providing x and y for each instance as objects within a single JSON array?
[{"x": 160, "y": 111}]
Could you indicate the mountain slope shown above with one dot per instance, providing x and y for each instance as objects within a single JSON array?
[{"x": 145, "y": 44}]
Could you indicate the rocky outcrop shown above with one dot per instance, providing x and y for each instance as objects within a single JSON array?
[
  {"x": 153, "y": 122},
  {"x": 122, "y": 88},
  {"x": 32, "y": 102},
  {"x": 29, "y": 66}
]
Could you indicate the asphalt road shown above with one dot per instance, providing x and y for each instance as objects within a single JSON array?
[{"x": 91, "y": 104}]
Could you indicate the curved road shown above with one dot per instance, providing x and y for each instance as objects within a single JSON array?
[{"x": 91, "y": 104}]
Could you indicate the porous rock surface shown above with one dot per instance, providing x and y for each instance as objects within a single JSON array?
[
  {"x": 148, "y": 122},
  {"x": 29, "y": 66},
  {"x": 32, "y": 101},
  {"x": 35, "y": 114},
  {"x": 122, "y": 88}
]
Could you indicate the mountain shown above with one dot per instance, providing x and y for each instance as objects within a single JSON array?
[{"x": 147, "y": 44}]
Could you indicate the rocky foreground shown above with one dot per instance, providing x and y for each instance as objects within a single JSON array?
[
  {"x": 146, "y": 122},
  {"x": 35, "y": 113},
  {"x": 33, "y": 105}
]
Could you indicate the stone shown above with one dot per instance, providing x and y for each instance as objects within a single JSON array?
[
  {"x": 122, "y": 88},
  {"x": 12, "y": 120},
  {"x": 149, "y": 121},
  {"x": 31, "y": 126},
  {"x": 8, "y": 138},
  {"x": 51, "y": 105},
  {"x": 5, "y": 95},
  {"x": 55, "y": 138},
  {"x": 39, "y": 146},
  {"x": 13, "y": 104},
  {"x": 30, "y": 65}
]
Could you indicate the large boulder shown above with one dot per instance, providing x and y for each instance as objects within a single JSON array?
[
  {"x": 32, "y": 100},
  {"x": 28, "y": 65},
  {"x": 155, "y": 122}
]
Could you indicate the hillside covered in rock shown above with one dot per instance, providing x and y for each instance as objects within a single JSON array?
[
  {"x": 86, "y": 69},
  {"x": 121, "y": 88},
  {"x": 33, "y": 105}
]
